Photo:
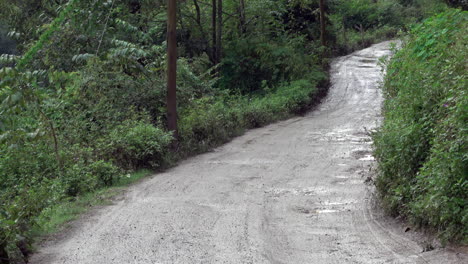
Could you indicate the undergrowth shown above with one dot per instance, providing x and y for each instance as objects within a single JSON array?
[{"x": 422, "y": 146}]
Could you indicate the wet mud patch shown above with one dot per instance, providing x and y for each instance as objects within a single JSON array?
[
  {"x": 250, "y": 141},
  {"x": 300, "y": 166},
  {"x": 350, "y": 182},
  {"x": 368, "y": 60},
  {"x": 340, "y": 202},
  {"x": 246, "y": 162},
  {"x": 356, "y": 171},
  {"x": 326, "y": 211},
  {"x": 362, "y": 134},
  {"x": 308, "y": 191},
  {"x": 315, "y": 211},
  {"x": 367, "y": 158},
  {"x": 339, "y": 179},
  {"x": 327, "y": 207},
  {"x": 339, "y": 136},
  {"x": 343, "y": 177},
  {"x": 304, "y": 210},
  {"x": 361, "y": 154},
  {"x": 251, "y": 178}
]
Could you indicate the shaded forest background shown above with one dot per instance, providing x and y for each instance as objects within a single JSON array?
[{"x": 82, "y": 86}]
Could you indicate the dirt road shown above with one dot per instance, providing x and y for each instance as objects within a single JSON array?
[{"x": 292, "y": 192}]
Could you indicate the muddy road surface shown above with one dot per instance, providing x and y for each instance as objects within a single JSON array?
[{"x": 291, "y": 192}]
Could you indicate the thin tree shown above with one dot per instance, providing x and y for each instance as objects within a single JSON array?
[
  {"x": 322, "y": 22},
  {"x": 219, "y": 27},
  {"x": 4, "y": 259},
  {"x": 172, "y": 67},
  {"x": 242, "y": 26},
  {"x": 214, "y": 32}
]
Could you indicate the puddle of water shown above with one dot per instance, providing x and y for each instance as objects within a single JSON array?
[
  {"x": 326, "y": 211},
  {"x": 315, "y": 190},
  {"x": 295, "y": 191},
  {"x": 368, "y": 60},
  {"x": 241, "y": 162},
  {"x": 303, "y": 210},
  {"x": 335, "y": 203},
  {"x": 342, "y": 177},
  {"x": 344, "y": 202},
  {"x": 281, "y": 191},
  {"x": 339, "y": 136},
  {"x": 352, "y": 182},
  {"x": 367, "y": 158}
]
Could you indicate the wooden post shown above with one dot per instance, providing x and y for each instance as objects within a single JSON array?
[{"x": 172, "y": 66}]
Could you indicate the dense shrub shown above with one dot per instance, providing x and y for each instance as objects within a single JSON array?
[
  {"x": 359, "y": 23},
  {"x": 422, "y": 145},
  {"x": 7, "y": 46},
  {"x": 211, "y": 121},
  {"x": 458, "y": 3},
  {"x": 135, "y": 144},
  {"x": 254, "y": 63},
  {"x": 81, "y": 178}
]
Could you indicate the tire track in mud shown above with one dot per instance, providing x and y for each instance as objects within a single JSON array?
[{"x": 291, "y": 192}]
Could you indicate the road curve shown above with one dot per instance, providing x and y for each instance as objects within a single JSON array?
[{"x": 291, "y": 192}]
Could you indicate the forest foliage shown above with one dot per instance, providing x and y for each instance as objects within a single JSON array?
[
  {"x": 83, "y": 92},
  {"x": 422, "y": 146}
]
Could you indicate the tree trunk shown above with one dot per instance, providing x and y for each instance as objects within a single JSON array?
[
  {"x": 242, "y": 25},
  {"x": 4, "y": 259},
  {"x": 219, "y": 29},
  {"x": 345, "y": 38},
  {"x": 172, "y": 67},
  {"x": 197, "y": 9},
  {"x": 322, "y": 22},
  {"x": 54, "y": 137},
  {"x": 180, "y": 17},
  {"x": 214, "y": 32},
  {"x": 200, "y": 25}
]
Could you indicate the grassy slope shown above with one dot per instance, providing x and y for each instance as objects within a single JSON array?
[{"x": 422, "y": 145}]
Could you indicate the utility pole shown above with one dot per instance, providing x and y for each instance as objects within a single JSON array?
[{"x": 172, "y": 67}]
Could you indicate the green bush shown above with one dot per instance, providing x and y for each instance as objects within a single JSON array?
[
  {"x": 78, "y": 180},
  {"x": 357, "y": 24},
  {"x": 105, "y": 172},
  {"x": 135, "y": 144},
  {"x": 208, "y": 122},
  {"x": 81, "y": 177},
  {"x": 211, "y": 121},
  {"x": 254, "y": 63},
  {"x": 422, "y": 145}
]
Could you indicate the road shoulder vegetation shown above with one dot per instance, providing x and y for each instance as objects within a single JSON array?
[{"x": 422, "y": 148}]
